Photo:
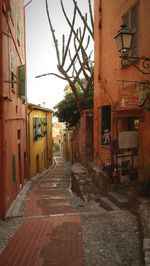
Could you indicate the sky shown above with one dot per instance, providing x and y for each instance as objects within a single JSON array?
[{"x": 40, "y": 50}]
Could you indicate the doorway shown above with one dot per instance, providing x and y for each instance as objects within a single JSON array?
[
  {"x": 37, "y": 163},
  {"x": 19, "y": 162}
]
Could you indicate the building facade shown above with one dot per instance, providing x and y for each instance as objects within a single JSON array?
[
  {"x": 57, "y": 133},
  {"x": 40, "y": 139},
  {"x": 67, "y": 141},
  {"x": 121, "y": 91},
  {"x": 13, "y": 145}
]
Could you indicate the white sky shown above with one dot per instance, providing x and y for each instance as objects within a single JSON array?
[{"x": 41, "y": 55}]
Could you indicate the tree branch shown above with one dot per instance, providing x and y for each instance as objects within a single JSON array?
[
  {"x": 91, "y": 16},
  {"x": 48, "y": 74},
  {"x": 53, "y": 33},
  {"x": 70, "y": 35},
  {"x": 83, "y": 19},
  {"x": 72, "y": 85},
  {"x": 77, "y": 51},
  {"x": 81, "y": 63}
]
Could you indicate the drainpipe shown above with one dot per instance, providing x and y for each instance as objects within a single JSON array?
[{"x": 2, "y": 125}]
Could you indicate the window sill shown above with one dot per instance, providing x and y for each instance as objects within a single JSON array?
[{"x": 105, "y": 146}]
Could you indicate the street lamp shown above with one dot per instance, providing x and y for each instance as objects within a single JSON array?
[{"x": 124, "y": 39}]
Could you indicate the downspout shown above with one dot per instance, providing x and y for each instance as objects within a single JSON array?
[{"x": 2, "y": 119}]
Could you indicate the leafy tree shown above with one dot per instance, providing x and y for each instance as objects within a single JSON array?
[
  {"x": 56, "y": 146},
  {"x": 75, "y": 64},
  {"x": 67, "y": 110}
]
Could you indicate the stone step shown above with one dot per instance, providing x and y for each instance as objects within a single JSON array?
[
  {"x": 118, "y": 199},
  {"x": 108, "y": 205}
]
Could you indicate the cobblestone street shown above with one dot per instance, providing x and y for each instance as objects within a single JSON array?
[{"x": 60, "y": 229}]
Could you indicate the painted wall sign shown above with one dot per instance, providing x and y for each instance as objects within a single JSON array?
[{"x": 129, "y": 96}]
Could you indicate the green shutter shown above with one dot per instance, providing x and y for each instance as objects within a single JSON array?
[{"x": 22, "y": 81}]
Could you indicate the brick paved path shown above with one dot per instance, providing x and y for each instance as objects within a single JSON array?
[{"x": 51, "y": 232}]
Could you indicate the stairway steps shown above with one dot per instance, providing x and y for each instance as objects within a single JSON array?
[
  {"x": 118, "y": 200},
  {"x": 108, "y": 205}
]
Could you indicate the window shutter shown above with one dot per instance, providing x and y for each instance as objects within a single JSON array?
[
  {"x": 134, "y": 23},
  {"x": 22, "y": 79},
  {"x": 36, "y": 121},
  {"x": 134, "y": 16},
  {"x": 125, "y": 19},
  {"x": 130, "y": 19}
]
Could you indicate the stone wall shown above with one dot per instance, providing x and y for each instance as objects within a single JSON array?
[
  {"x": 83, "y": 139},
  {"x": 144, "y": 213},
  {"x": 100, "y": 178}
]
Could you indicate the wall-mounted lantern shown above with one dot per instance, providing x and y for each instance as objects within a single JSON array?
[{"x": 124, "y": 40}]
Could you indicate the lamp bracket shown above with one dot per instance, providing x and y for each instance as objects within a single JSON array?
[{"x": 144, "y": 60}]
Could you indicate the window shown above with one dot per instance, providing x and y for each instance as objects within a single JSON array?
[
  {"x": 12, "y": 69},
  {"x": 14, "y": 168},
  {"x": 22, "y": 81},
  {"x": 132, "y": 123},
  {"x": 128, "y": 124},
  {"x": 106, "y": 124},
  {"x": 130, "y": 19},
  {"x": 44, "y": 126},
  {"x": 37, "y": 132},
  {"x": 18, "y": 134}
]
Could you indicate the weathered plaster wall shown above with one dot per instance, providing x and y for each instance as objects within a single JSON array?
[{"x": 108, "y": 69}]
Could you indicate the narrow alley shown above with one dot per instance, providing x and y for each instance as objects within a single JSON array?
[
  {"x": 60, "y": 229},
  {"x": 74, "y": 133}
]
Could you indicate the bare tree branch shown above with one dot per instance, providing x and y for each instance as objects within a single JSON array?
[
  {"x": 77, "y": 51},
  {"x": 48, "y": 74},
  {"x": 53, "y": 33},
  {"x": 80, "y": 65},
  {"x": 91, "y": 16},
  {"x": 83, "y": 19},
  {"x": 63, "y": 46},
  {"x": 72, "y": 85},
  {"x": 69, "y": 39}
]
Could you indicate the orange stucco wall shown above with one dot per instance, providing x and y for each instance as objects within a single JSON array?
[
  {"x": 108, "y": 70},
  {"x": 13, "y": 108},
  {"x": 83, "y": 138}
]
